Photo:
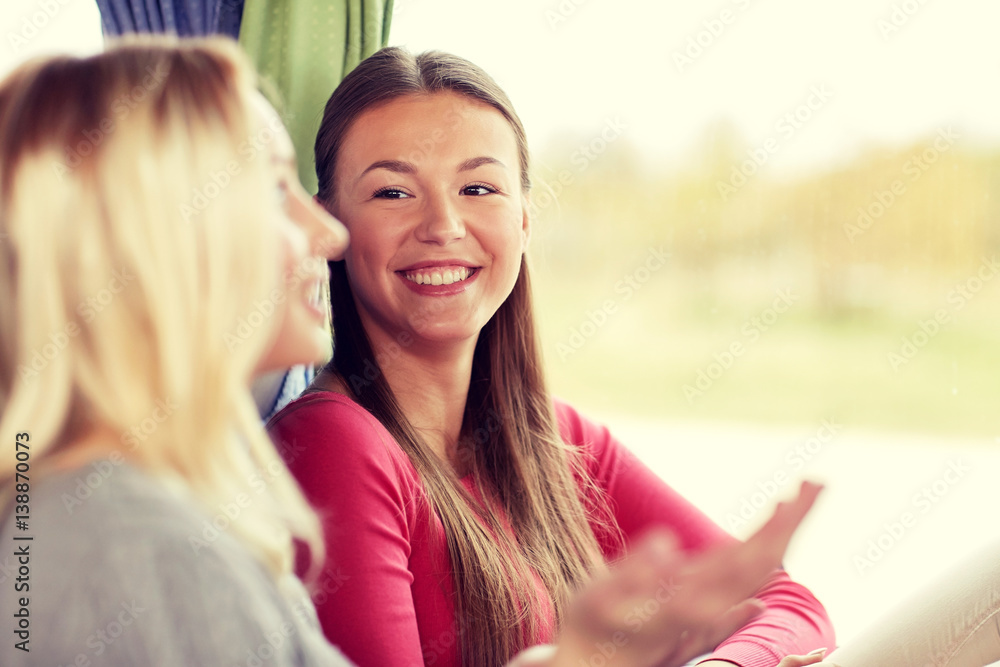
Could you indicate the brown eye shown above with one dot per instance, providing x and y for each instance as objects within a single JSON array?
[
  {"x": 389, "y": 193},
  {"x": 478, "y": 190}
]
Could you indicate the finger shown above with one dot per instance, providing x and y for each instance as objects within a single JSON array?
[
  {"x": 645, "y": 573},
  {"x": 718, "y": 580},
  {"x": 741, "y": 614},
  {"x": 655, "y": 557},
  {"x": 812, "y": 658},
  {"x": 704, "y": 641},
  {"x": 735, "y": 618},
  {"x": 764, "y": 551},
  {"x": 777, "y": 532},
  {"x": 655, "y": 554},
  {"x": 536, "y": 656}
]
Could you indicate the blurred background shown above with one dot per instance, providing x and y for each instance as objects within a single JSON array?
[{"x": 764, "y": 248}]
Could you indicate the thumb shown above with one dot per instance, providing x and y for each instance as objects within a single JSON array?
[{"x": 811, "y": 658}]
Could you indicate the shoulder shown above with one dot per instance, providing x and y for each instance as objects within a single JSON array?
[
  {"x": 108, "y": 498},
  {"x": 121, "y": 524},
  {"x": 606, "y": 460},
  {"x": 593, "y": 440},
  {"x": 575, "y": 428},
  {"x": 134, "y": 572},
  {"x": 326, "y": 424},
  {"x": 330, "y": 443},
  {"x": 316, "y": 411}
]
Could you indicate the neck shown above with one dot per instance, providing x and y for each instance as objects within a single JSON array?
[
  {"x": 95, "y": 443},
  {"x": 431, "y": 384}
]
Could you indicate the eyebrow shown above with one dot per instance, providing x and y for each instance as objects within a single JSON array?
[
  {"x": 402, "y": 167},
  {"x": 398, "y": 166},
  {"x": 475, "y": 162}
]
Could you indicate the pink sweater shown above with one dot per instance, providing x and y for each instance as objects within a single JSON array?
[{"x": 385, "y": 593}]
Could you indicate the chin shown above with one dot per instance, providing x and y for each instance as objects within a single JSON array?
[
  {"x": 446, "y": 333},
  {"x": 296, "y": 351}
]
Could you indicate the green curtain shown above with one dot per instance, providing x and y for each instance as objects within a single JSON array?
[{"x": 302, "y": 49}]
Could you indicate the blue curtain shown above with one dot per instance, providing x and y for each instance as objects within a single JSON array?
[{"x": 187, "y": 18}]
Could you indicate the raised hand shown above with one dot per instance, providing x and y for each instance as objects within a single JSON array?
[{"x": 659, "y": 607}]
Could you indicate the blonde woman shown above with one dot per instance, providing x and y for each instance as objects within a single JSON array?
[
  {"x": 147, "y": 199},
  {"x": 156, "y": 251}
]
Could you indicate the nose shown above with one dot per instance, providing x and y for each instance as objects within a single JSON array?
[
  {"x": 442, "y": 221},
  {"x": 327, "y": 236}
]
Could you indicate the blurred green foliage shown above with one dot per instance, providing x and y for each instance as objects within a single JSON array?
[{"x": 894, "y": 320}]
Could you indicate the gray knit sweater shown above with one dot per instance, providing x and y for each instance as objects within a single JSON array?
[{"x": 124, "y": 571}]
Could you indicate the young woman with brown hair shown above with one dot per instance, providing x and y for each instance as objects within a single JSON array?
[
  {"x": 156, "y": 250},
  {"x": 456, "y": 494}
]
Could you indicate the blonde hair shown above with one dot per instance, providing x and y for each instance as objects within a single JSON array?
[{"x": 136, "y": 256}]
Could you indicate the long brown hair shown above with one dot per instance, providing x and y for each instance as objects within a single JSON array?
[{"x": 509, "y": 437}]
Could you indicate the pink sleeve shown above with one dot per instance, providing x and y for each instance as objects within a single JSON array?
[
  {"x": 794, "y": 622},
  {"x": 363, "y": 595}
]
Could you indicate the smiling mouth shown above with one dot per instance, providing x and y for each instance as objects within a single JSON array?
[
  {"x": 314, "y": 295},
  {"x": 440, "y": 276}
]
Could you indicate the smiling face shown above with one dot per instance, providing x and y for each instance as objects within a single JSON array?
[
  {"x": 429, "y": 187},
  {"x": 309, "y": 236}
]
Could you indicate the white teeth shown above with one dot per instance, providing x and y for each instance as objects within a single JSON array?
[
  {"x": 314, "y": 295},
  {"x": 437, "y": 277}
]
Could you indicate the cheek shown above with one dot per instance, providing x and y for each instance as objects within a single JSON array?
[
  {"x": 505, "y": 235},
  {"x": 294, "y": 249},
  {"x": 374, "y": 244},
  {"x": 362, "y": 258}
]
